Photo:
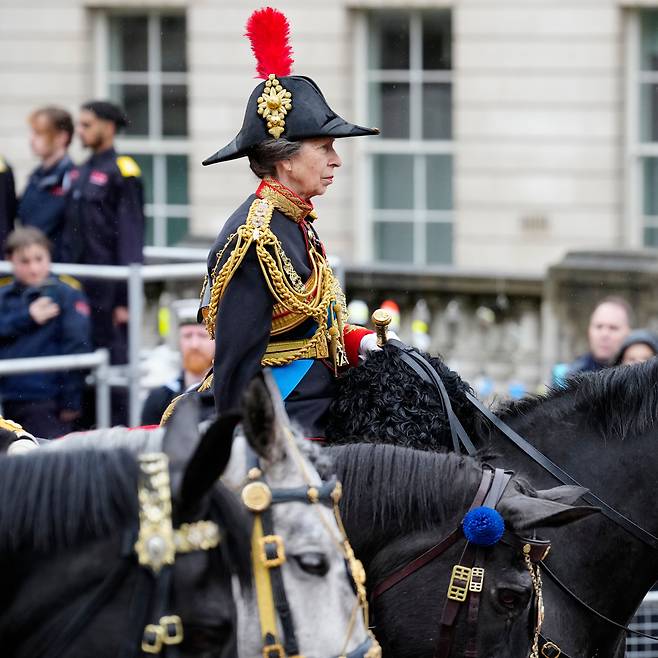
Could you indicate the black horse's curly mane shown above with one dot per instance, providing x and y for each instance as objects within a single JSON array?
[
  {"x": 616, "y": 402},
  {"x": 380, "y": 401}
]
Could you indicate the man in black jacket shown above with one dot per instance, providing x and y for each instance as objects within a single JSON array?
[
  {"x": 7, "y": 200},
  {"x": 105, "y": 226}
]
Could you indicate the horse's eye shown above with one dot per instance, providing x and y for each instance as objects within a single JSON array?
[
  {"x": 512, "y": 599},
  {"x": 315, "y": 564}
]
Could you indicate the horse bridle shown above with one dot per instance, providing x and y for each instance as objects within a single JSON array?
[
  {"x": 268, "y": 555},
  {"x": 156, "y": 629},
  {"x": 414, "y": 360},
  {"x": 467, "y": 578}
]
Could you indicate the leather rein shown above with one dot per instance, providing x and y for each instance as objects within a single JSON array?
[
  {"x": 468, "y": 575},
  {"x": 460, "y": 439}
]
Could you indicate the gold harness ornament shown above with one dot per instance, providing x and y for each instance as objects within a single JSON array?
[{"x": 158, "y": 541}]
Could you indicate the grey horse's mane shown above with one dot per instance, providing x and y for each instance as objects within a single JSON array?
[{"x": 136, "y": 441}]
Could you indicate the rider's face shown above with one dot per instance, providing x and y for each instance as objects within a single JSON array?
[{"x": 311, "y": 170}]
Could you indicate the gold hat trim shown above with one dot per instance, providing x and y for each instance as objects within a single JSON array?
[{"x": 273, "y": 105}]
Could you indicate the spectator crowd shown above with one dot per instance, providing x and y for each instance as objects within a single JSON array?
[{"x": 89, "y": 213}]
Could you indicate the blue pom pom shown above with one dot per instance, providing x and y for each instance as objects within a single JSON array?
[{"x": 483, "y": 526}]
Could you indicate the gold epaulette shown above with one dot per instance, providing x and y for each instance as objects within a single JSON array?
[
  {"x": 256, "y": 228},
  {"x": 70, "y": 281},
  {"x": 128, "y": 167},
  {"x": 6, "y": 280}
]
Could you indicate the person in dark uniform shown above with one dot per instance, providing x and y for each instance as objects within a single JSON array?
[
  {"x": 43, "y": 203},
  {"x": 40, "y": 315},
  {"x": 270, "y": 297},
  {"x": 196, "y": 351},
  {"x": 105, "y": 226},
  {"x": 7, "y": 200}
]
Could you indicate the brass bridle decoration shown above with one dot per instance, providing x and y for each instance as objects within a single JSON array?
[
  {"x": 158, "y": 542},
  {"x": 257, "y": 498}
]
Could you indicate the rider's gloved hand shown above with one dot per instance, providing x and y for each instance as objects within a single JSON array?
[{"x": 369, "y": 344}]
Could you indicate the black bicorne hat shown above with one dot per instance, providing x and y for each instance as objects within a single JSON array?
[{"x": 285, "y": 105}]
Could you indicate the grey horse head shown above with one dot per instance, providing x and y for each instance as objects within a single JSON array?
[{"x": 319, "y": 592}]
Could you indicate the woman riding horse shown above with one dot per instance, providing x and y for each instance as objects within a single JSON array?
[{"x": 270, "y": 297}]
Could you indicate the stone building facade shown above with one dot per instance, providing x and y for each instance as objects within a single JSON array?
[{"x": 513, "y": 131}]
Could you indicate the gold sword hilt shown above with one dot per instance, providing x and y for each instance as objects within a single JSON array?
[{"x": 381, "y": 318}]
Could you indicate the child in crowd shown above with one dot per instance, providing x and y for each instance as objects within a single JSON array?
[{"x": 40, "y": 315}]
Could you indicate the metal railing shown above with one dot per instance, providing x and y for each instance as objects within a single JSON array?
[
  {"x": 98, "y": 362},
  {"x": 645, "y": 620},
  {"x": 136, "y": 275}
]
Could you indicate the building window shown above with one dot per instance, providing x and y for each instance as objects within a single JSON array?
[
  {"x": 144, "y": 69},
  {"x": 408, "y": 92}
]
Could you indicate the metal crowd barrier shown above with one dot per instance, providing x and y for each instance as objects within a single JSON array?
[
  {"x": 136, "y": 275},
  {"x": 98, "y": 362},
  {"x": 646, "y": 621}
]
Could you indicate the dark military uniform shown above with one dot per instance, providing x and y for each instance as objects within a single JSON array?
[
  {"x": 273, "y": 300},
  {"x": 43, "y": 204},
  {"x": 35, "y": 399},
  {"x": 105, "y": 226},
  {"x": 7, "y": 200},
  {"x": 159, "y": 399}
]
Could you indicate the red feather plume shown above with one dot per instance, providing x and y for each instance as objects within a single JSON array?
[{"x": 268, "y": 31}]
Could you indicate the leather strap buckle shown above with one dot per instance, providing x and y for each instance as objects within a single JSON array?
[
  {"x": 272, "y": 551},
  {"x": 477, "y": 579},
  {"x": 152, "y": 638},
  {"x": 459, "y": 583},
  {"x": 556, "y": 652},
  {"x": 172, "y": 629},
  {"x": 275, "y": 650}
]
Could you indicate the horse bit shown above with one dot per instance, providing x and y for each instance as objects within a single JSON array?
[
  {"x": 268, "y": 555},
  {"x": 467, "y": 578}
]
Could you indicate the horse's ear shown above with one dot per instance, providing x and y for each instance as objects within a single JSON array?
[
  {"x": 523, "y": 512},
  {"x": 208, "y": 461},
  {"x": 262, "y": 409},
  {"x": 566, "y": 494}
]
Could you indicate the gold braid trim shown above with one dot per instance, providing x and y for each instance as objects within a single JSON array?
[{"x": 282, "y": 284}]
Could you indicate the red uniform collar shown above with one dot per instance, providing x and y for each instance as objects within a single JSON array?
[{"x": 285, "y": 200}]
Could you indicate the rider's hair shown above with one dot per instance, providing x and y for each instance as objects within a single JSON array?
[
  {"x": 25, "y": 236},
  {"x": 264, "y": 156}
]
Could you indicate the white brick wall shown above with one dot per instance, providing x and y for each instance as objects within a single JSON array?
[
  {"x": 538, "y": 120},
  {"x": 538, "y": 106}
]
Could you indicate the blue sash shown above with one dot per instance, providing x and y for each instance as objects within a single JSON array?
[{"x": 287, "y": 377}]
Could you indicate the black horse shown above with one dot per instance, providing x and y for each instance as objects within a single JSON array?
[
  {"x": 599, "y": 427},
  {"x": 398, "y": 504},
  {"x": 72, "y": 585}
]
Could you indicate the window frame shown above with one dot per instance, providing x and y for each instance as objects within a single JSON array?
[
  {"x": 415, "y": 146},
  {"x": 154, "y": 144}
]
